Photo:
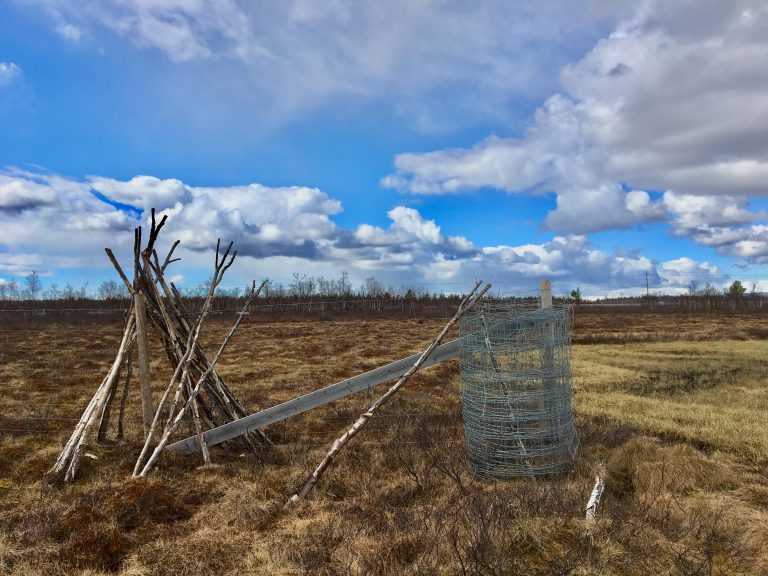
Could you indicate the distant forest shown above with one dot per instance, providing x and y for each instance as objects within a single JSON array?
[{"x": 27, "y": 301}]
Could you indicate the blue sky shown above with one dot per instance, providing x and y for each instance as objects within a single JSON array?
[{"x": 424, "y": 143}]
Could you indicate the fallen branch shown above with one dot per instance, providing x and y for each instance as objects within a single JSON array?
[
  {"x": 363, "y": 420},
  {"x": 597, "y": 493}
]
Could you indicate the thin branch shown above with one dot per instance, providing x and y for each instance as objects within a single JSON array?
[{"x": 363, "y": 420}]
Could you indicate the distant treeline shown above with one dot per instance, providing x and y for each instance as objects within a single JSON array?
[{"x": 325, "y": 298}]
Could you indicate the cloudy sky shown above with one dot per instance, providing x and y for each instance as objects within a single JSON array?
[{"x": 427, "y": 143}]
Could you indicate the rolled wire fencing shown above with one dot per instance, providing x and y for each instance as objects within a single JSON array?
[{"x": 516, "y": 389}]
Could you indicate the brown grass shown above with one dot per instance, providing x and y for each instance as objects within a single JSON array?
[{"x": 680, "y": 425}]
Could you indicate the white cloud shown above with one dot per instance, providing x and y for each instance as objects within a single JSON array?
[
  {"x": 62, "y": 217},
  {"x": 681, "y": 272},
  {"x": 69, "y": 32},
  {"x": 668, "y": 101},
  {"x": 8, "y": 73},
  {"x": 49, "y": 222},
  {"x": 295, "y": 55}
]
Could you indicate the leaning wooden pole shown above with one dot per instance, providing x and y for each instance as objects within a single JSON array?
[
  {"x": 363, "y": 420},
  {"x": 66, "y": 464}
]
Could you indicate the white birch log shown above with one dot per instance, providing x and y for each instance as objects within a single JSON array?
[{"x": 363, "y": 420}]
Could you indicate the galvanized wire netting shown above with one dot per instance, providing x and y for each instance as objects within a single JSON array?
[{"x": 516, "y": 389}]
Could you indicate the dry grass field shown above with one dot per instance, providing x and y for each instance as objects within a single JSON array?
[{"x": 676, "y": 407}]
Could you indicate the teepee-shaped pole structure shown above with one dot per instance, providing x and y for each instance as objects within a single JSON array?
[{"x": 200, "y": 393}]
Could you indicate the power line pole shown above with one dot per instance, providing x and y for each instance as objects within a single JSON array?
[{"x": 647, "y": 290}]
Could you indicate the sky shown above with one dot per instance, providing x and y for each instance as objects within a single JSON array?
[{"x": 426, "y": 143}]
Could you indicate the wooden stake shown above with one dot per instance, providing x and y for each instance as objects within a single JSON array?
[
  {"x": 363, "y": 420},
  {"x": 142, "y": 346}
]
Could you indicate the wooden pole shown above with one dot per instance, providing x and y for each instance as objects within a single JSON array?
[
  {"x": 363, "y": 420},
  {"x": 546, "y": 294},
  {"x": 141, "y": 345}
]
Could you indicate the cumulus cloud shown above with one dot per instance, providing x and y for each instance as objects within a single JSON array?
[
  {"x": 56, "y": 215},
  {"x": 8, "y": 73},
  {"x": 666, "y": 102},
  {"x": 49, "y": 222},
  {"x": 679, "y": 273}
]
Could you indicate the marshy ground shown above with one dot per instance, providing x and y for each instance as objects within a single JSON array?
[{"x": 675, "y": 405}]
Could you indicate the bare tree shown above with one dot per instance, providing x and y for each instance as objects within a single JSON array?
[
  {"x": 373, "y": 288},
  {"x": 34, "y": 285},
  {"x": 111, "y": 290},
  {"x": 302, "y": 285},
  {"x": 345, "y": 286},
  {"x": 53, "y": 293}
]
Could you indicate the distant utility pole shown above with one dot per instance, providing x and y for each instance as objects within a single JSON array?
[{"x": 647, "y": 290}]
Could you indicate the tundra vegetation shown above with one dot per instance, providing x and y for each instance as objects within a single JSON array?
[{"x": 674, "y": 404}]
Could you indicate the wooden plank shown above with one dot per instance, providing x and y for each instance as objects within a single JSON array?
[
  {"x": 315, "y": 399},
  {"x": 144, "y": 377}
]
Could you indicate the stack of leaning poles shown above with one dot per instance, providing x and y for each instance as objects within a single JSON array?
[{"x": 195, "y": 391}]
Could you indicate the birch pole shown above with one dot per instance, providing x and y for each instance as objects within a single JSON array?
[
  {"x": 182, "y": 368},
  {"x": 363, "y": 420},
  {"x": 139, "y": 310}
]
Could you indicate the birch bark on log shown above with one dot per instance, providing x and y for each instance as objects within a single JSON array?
[
  {"x": 597, "y": 493},
  {"x": 363, "y": 420}
]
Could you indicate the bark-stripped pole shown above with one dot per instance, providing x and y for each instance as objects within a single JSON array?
[
  {"x": 220, "y": 267},
  {"x": 193, "y": 394},
  {"x": 508, "y": 397},
  {"x": 363, "y": 420},
  {"x": 143, "y": 348},
  {"x": 149, "y": 267},
  {"x": 124, "y": 397}
]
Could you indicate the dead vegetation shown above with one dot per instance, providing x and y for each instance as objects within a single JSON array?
[{"x": 680, "y": 427}]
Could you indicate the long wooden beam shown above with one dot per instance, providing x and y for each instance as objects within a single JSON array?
[{"x": 315, "y": 399}]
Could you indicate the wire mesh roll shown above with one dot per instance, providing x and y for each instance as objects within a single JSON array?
[{"x": 516, "y": 389}]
